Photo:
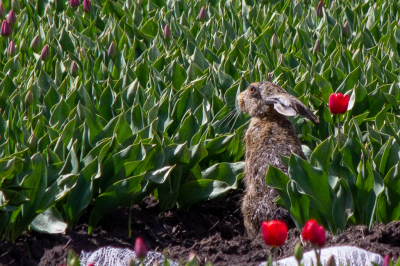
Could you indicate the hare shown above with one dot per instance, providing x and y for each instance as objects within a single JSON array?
[{"x": 269, "y": 134}]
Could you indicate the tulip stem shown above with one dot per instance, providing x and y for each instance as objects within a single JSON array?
[
  {"x": 339, "y": 131},
  {"x": 275, "y": 255},
  {"x": 317, "y": 254}
]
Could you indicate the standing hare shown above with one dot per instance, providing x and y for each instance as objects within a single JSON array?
[{"x": 268, "y": 135}]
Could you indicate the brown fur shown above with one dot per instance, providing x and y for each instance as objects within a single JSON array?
[{"x": 269, "y": 134}]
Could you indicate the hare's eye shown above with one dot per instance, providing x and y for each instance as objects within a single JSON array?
[{"x": 252, "y": 89}]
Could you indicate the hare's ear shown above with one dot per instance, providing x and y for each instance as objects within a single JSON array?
[{"x": 289, "y": 105}]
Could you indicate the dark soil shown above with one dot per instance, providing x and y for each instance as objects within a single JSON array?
[{"x": 213, "y": 230}]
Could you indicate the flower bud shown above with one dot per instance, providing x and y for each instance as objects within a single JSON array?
[
  {"x": 298, "y": 252},
  {"x": 398, "y": 23},
  {"x": 74, "y": 69},
  {"x": 346, "y": 30},
  {"x": 317, "y": 48},
  {"x": 269, "y": 75},
  {"x": 36, "y": 43},
  {"x": 2, "y": 12},
  {"x": 167, "y": 32},
  {"x": 131, "y": 262},
  {"x": 281, "y": 59},
  {"x": 319, "y": 9},
  {"x": 203, "y": 14},
  {"x": 87, "y": 5},
  {"x": 112, "y": 51},
  {"x": 15, "y": 5},
  {"x": 12, "y": 18},
  {"x": 32, "y": 142},
  {"x": 386, "y": 260},
  {"x": 29, "y": 98},
  {"x": 11, "y": 50},
  {"x": 140, "y": 249},
  {"x": 45, "y": 55},
  {"x": 331, "y": 261},
  {"x": 83, "y": 52},
  {"x": 5, "y": 29},
  {"x": 274, "y": 42},
  {"x": 357, "y": 57},
  {"x": 74, "y": 3}
]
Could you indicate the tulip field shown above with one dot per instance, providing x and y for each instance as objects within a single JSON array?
[{"x": 108, "y": 107}]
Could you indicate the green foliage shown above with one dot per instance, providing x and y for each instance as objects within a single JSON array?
[{"x": 159, "y": 117}]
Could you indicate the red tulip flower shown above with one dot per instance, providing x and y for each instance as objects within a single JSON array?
[
  {"x": 140, "y": 249},
  {"x": 274, "y": 232},
  {"x": 314, "y": 233},
  {"x": 338, "y": 103}
]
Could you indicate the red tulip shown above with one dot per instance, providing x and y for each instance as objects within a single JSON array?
[
  {"x": 322, "y": 238},
  {"x": 5, "y": 29},
  {"x": 140, "y": 248},
  {"x": 311, "y": 231},
  {"x": 314, "y": 233},
  {"x": 338, "y": 103},
  {"x": 274, "y": 232}
]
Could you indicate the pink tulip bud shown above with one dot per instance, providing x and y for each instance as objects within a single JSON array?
[
  {"x": 74, "y": 69},
  {"x": 5, "y": 29},
  {"x": 45, "y": 55},
  {"x": 12, "y": 18},
  {"x": 140, "y": 248},
  {"x": 112, "y": 51},
  {"x": 386, "y": 260},
  {"x": 36, "y": 43},
  {"x": 203, "y": 14},
  {"x": 23, "y": 46},
  {"x": 346, "y": 30},
  {"x": 11, "y": 50},
  {"x": 83, "y": 52},
  {"x": 319, "y": 9},
  {"x": 317, "y": 47},
  {"x": 29, "y": 98},
  {"x": 167, "y": 32},
  {"x": 87, "y": 5},
  {"x": 74, "y": 3}
]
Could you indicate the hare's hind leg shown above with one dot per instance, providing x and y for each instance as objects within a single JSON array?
[{"x": 258, "y": 207}]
